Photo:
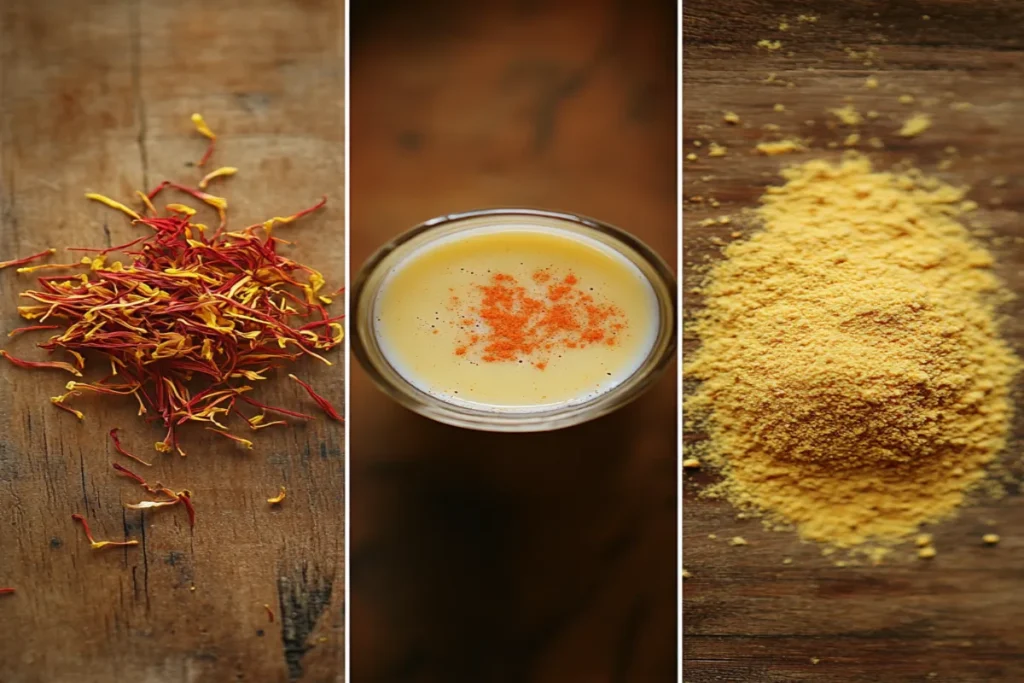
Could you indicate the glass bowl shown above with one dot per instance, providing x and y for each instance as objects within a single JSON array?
[{"x": 367, "y": 348}]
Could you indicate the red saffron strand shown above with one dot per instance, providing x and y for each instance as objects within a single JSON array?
[
  {"x": 93, "y": 543},
  {"x": 6, "y": 591},
  {"x": 27, "y": 259},
  {"x": 31, "y": 328},
  {"x": 53, "y": 364},
  {"x": 186, "y": 499},
  {"x": 320, "y": 400},
  {"x": 120, "y": 449}
]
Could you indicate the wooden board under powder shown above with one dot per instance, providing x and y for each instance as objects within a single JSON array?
[{"x": 747, "y": 615}]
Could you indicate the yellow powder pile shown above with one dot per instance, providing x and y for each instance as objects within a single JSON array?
[{"x": 852, "y": 379}]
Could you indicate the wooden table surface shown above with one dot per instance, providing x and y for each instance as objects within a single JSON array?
[
  {"x": 96, "y": 96},
  {"x": 484, "y": 558},
  {"x": 748, "y": 617}
]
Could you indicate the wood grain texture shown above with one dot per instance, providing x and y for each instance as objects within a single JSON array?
[
  {"x": 747, "y": 616},
  {"x": 488, "y": 558},
  {"x": 96, "y": 97}
]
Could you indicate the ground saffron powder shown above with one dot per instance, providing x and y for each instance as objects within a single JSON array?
[
  {"x": 505, "y": 320},
  {"x": 850, "y": 378}
]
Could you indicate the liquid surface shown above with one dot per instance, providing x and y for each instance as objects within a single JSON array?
[{"x": 516, "y": 318}]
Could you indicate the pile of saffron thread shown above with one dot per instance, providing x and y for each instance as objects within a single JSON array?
[
  {"x": 511, "y": 322},
  {"x": 187, "y": 327},
  {"x": 191, "y": 323}
]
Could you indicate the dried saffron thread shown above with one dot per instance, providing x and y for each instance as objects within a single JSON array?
[
  {"x": 320, "y": 400},
  {"x": 6, "y": 591},
  {"x": 120, "y": 449},
  {"x": 173, "y": 497},
  {"x": 27, "y": 259},
  {"x": 191, "y": 321},
  {"x": 279, "y": 498},
  {"x": 204, "y": 130},
  {"x": 93, "y": 543},
  {"x": 57, "y": 365},
  {"x": 31, "y": 328},
  {"x": 520, "y": 323}
]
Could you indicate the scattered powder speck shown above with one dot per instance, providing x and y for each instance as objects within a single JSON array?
[
  {"x": 808, "y": 18},
  {"x": 990, "y": 539},
  {"x": 927, "y": 553},
  {"x": 915, "y": 125},
  {"x": 693, "y": 463},
  {"x": 871, "y": 82},
  {"x": 848, "y": 115},
  {"x": 923, "y": 540},
  {"x": 691, "y": 157},
  {"x": 779, "y": 107},
  {"x": 737, "y": 540},
  {"x": 716, "y": 150},
  {"x": 961, "y": 106},
  {"x": 770, "y": 44},
  {"x": 872, "y": 114},
  {"x": 876, "y": 143},
  {"x": 687, "y": 575},
  {"x": 852, "y": 139},
  {"x": 780, "y": 147},
  {"x": 731, "y": 117},
  {"x": 906, "y": 99}
]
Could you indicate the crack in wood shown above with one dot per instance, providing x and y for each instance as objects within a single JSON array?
[{"x": 303, "y": 595}]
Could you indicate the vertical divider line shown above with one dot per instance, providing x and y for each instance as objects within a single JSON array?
[
  {"x": 679, "y": 336},
  {"x": 346, "y": 525}
]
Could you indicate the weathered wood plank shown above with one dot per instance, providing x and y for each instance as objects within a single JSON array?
[{"x": 96, "y": 96}]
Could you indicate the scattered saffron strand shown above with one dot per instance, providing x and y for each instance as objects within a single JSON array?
[
  {"x": 295, "y": 216},
  {"x": 320, "y": 400},
  {"x": 6, "y": 591},
  {"x": 55, "y": 364},
  {"x": 112, "y": 203},
  {"x": 204, "y": 130},
  {"x": 59, "y": 402},
  {"x": 173, "y": 497},
  {"x": 270, "y": 613},
  {"x": 31, "y": 328},
  {"x": 278, "y": 499},
  {"x": 222, "y": 172},
  {"x": 120, "y": 449},
  {"x": 229, "y": 435},
  {"x": 186, "y": 499},
  {"x": 93, "y": 543},
  {"x": 27, "y": 259}
]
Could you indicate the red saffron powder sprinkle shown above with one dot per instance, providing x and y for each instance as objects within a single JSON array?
[{"x": 521, "y": 324}]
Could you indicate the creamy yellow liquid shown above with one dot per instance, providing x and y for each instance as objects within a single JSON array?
[{"x": 431, "y": 324}]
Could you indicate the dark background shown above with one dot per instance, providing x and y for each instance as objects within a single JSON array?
[
  {"x": 521, "y": 558},
  {"x": 747, "y": 616}
]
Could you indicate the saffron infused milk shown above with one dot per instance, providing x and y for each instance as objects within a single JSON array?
[{"x": 515, "y": 318}]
